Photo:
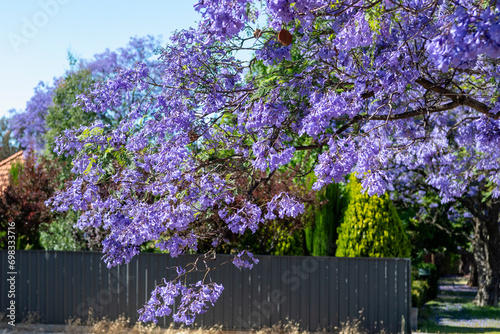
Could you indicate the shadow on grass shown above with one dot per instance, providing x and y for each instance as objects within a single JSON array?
[
  {"x": 457, "y": 290},
  {"x": 454, "y": 312},
  {"x": 460, "y": 308},
  {"x": 453, "y": 300},
  {"x": 469, "y": 311},
  {"x": 466, "y": 294},
  {"x": 433, "y": 328}
]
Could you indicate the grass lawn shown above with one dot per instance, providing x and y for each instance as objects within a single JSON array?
[{"x": 454, "y": 312}]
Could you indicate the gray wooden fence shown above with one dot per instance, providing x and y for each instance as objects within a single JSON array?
[{"x": 316, "y": 292}]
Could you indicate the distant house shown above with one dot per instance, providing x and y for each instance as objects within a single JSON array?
[{"x": 5, "y": 167}]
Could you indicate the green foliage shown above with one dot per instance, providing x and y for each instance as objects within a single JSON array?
[
  {"x": 321, "y": 234},
  {"x": 61, "y": 234},
  {"x": 371, "y": 226},
  {"x": 288, "y": 243},
  {"x": 23, "y": 242},
  {"x": 279, "y": 237},
  {"x": 374, "y": 16},
  {"x": 7, "y": 144},
  {"x": 419, "y": 292},
  {"x": 450, "y": 264},
  {"x": 430, "y": 230},
  {"x": 62, "y": 114},
  {"x": 16, "y": 168},
  {"x": 150, "y": 247}
]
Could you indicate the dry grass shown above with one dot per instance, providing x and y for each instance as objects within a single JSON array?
[
  {"x": 288, "y": 328},
  {"x": 32, "y": 318},
  {"x": 353, "y": 327},
  {"x": 123, "y": 325}
]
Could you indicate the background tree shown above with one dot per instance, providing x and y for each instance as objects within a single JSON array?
[
  {"x": 371, "y": 226},
  {"x": 28, "y": 127},
  {"x": 8, "y": 146},
  {"x": 434, "y": 227},
  {"x": 51, "y": 110},
  {"x": 62, "y": 115},
  {"x": 463, "y": 217}
]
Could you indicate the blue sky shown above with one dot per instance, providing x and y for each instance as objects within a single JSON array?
[{"x": 36, "y": 35}]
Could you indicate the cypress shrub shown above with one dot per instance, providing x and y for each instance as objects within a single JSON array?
[
  {"x": 321, "y": 234},
  {"x": 371, "y": 226}
]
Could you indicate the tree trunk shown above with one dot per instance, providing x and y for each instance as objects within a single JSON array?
[
  {"x": 486, "y": 246},
  {"x": 468, "y": 267},
  {"x": 473, "y": 280}
]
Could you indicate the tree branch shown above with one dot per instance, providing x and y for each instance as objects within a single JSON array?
[
  {"x": 458, "y": 98},
  {"x": 390, "y": 117},
  {"x": 413, "y": 113}
]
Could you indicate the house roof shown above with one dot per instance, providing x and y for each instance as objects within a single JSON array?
[{"x": 5, "y": 166}]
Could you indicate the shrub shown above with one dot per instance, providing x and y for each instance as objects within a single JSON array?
[
  {"x": 419, "y": 293},
  {"x": 321, "y": 234},
  {"x": 23, "y": 201},
  {"x": 61, "y": 234},
  {"x": 288, "y": 242},
  {"x": 371, "y": 226}
]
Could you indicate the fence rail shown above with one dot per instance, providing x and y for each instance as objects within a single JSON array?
[{"x": 316, "y": 292}]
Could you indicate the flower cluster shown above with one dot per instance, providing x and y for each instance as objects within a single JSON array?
[
  {"x": 244, "y": 259},
  {"x": 193, "y": 300},
  {"x": 464, "y": 35},
  {"x": 223, "y": 19}
]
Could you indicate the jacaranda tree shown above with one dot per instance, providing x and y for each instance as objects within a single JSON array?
[
  {"x": 28, "y": 127},
  {"x": 360, "y": 83},
  {"x": 50, "y": 110},
  {"x": 471, "y": 218}
]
